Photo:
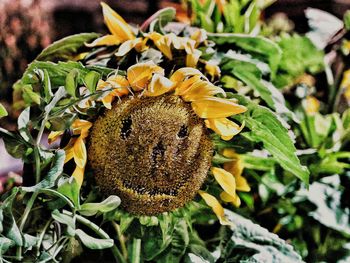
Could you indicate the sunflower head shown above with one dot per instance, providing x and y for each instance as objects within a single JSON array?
[{"x": 154, "y": 152}]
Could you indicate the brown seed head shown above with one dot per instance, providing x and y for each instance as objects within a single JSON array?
[{"x": 153, "y": 152}]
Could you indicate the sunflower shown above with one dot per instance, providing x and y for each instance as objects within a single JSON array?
[{"x": 152, "y": 143}]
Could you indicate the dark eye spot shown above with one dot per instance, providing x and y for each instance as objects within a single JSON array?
[
  {"x": 126, "y": 128},
  {"x": 183, "y": 132}
]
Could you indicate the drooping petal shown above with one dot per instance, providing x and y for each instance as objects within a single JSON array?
[
  {"x": 213, "y": 107},
  {"x": 159, "y": 85},
  {"x": 192, "y": 58},
  {"x": 201, "y": 89},
  {"x": 69, "y": 154},
  {"x": 163, "y": 43},
  {"x": 224, "y": 127},
  {"x": 212, "y": 69},
  {"x": 107, "y": 40},
  {"x": 225, "y": 179},
  {"x": 127, "y": 46},
  {"x": 81, "y": 127},
  {"x": 182, "y": 73},
  {"x": 183, "y": 87},
  {"x": 236, "y": 167},
  {"x": 216, "y": 207},
  {"x": 54, "y": 135},
  {"x": 116, "y": 24},
  {"x": 139, "y": 75},
  {"x": 78, "y": 174},
  {"x": 235, "y": 200},
  {"x": 79, "y": 152}
]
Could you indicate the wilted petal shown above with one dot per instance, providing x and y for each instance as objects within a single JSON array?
[
  {"x": 127, "y": 46},
  {"x": 159, "y": 85},
  {"x": 116, "y": 24},
  {"x": 192, "y": 58},
  {"x": 79, "y": 152},
  {"x": 139, "y": 75},
  {"x": 225, "y": 179},
  {"x": 163, "y": 43},
  {"x": 54, "y": 135},
  {"x": 224, "y": 127},
  {"x": 215, "y": 206},
  {"x": 182, "y": 88},
  {"x": 78, "y": 174},
  {"x": 108, "y": 40},
  {"x": 69, "y": 154},
  {"x": 213, "y": 107},
  {"x": 201, "y": 89},
  {"x": 235, "y": 200},
  {"x": 182, "y": 73},
  {"x": 81, "y": 127}
]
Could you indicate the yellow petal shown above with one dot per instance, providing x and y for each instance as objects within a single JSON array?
[
  {"x": 199, "y": 36},
  {"x": 182, "y": 73},
  {"x": 108, "y": 40},
  {"x": 79, "y": 152},
  {"x": 69, "y": 154},
  {"x": 139, "y": 75},
  {"x": 162, "y": 43},
  {"x": 81, "y": 127},
  {"x": 345, "y": 84},
  {"x": 311, "y": 105},
  {"x": 225, "y": 179},
  {"x": 192, "y": 58},
  {"x": 182, "y": 88},
  {"x": 224, "y": 127},
  {"x": 78, "y": 174},
  {"x": 107, "y": 101},
  {"x": 159, "y": 85},
  {"x": 54, "y": 135},
  {"x": 235, "y": 200},
  {"x": 127, "y": 46},
  {"x": 212, "y": 69},
  {"x": 215, "y": 205},
  {"x": 212, "y": 107},
  {"x": 116, "y": 24},
  {"x": 201, "y": 89}
]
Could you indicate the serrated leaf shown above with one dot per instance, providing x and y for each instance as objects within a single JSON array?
[
  {"x": 72, "y": 82},
  {"x": 51, "y": 177},
  {"x": 253, "y": 243},
  {"x": 91, "y": 80},
  {"x": 66, "y": 48},
  {"x": 107, "y": 205},
  {"x": 10, "y": 228},
  {"x": 260, "y": 47},
  {"x": 93, "y": 243},
  {"x": 3, "y": 111},
  {"x": 265, "y": 127}
]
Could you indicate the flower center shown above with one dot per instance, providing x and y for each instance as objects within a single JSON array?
[{"x": 153, "y": 152}]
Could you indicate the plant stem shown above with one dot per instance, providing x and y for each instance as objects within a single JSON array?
[
  {"x": 41, "y": 237},
  {"x": 121, "y": 239},
  {"x": 27, "y": 210},
  {"x": 136, "y": 250}
]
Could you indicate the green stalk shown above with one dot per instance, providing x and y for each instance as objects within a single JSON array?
[
  {"x": 121, "y": 239},
  {"x": 136, "y": 251}
]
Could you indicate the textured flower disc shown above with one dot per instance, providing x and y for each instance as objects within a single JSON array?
[{"x": 153, "y": 152}]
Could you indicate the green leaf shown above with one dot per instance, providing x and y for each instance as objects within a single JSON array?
[
  {"x": 5, "y": 244},
  {"x": 265, "y": 127},
  {"x": 72, "y": 82},
  {"x": 347, "y": 20},
  {"x": 327, "y": 198},
  {"x": 29, "y": 95},
  {"x": 251, "y": 75},
  {"x": 66, "y": 48},
  {"x": 22, "y": 123},
  {"x": 70, "y": 188},
  {"x": 299, "y": 55},
  {"x": 10, "y": 228},
  {"x": 63, "y": 218},
  {"x": 51, "y": 177},
  {"x": 94, "y": 243},
  {"x": 14, "y": 144},
  {"x": 252, "y": 243},
  {"x": 91, "y": 80},
  {"x": 107, "y": 205},
  {"x": 3, "y": 111},
  {"x": 260, "y": 47},
  {"x": 257, "y": 162}
]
